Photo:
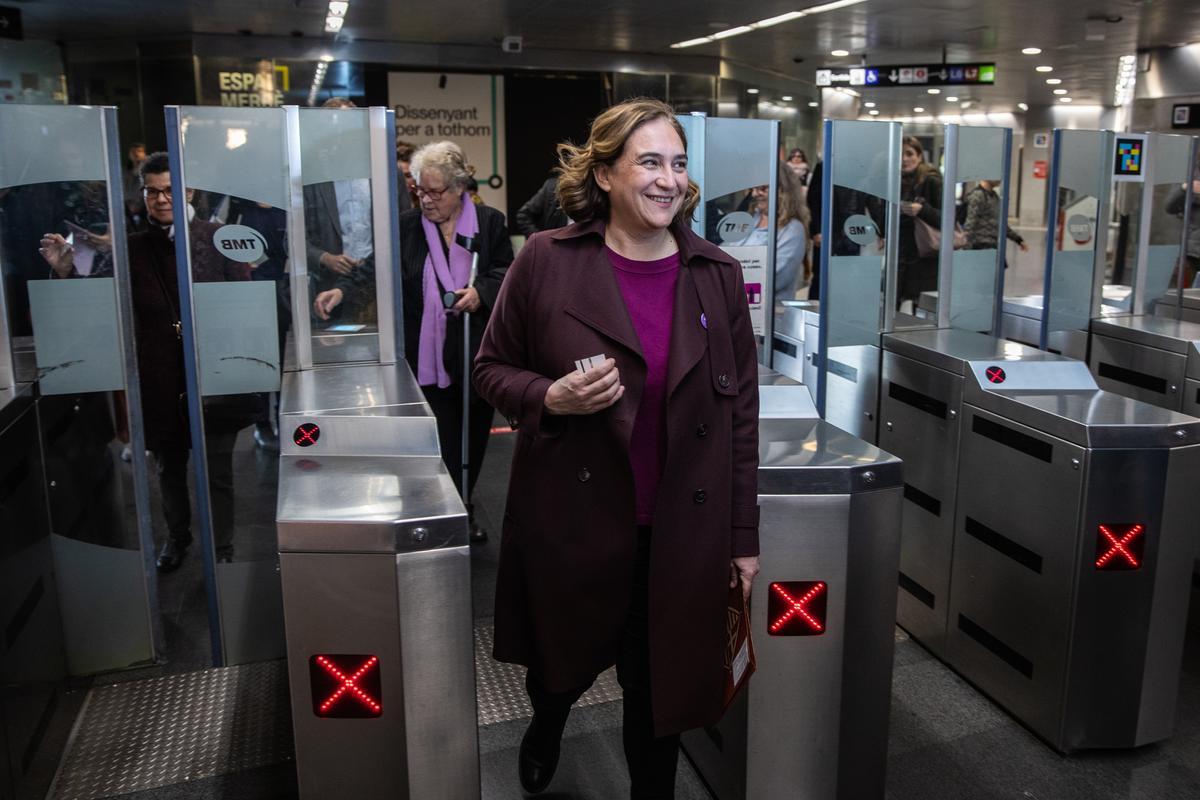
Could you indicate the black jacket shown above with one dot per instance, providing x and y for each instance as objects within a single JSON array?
[
  {"x": 495, "y": 255},
  {"x": 542, "y": 211}
]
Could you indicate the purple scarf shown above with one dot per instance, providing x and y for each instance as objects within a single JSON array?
[{"x": 431, "y": 367}]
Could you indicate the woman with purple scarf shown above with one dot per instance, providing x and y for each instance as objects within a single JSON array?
[{"x": 433, "y": 263}]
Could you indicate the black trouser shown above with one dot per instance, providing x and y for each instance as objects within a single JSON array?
[
  {"x": 651, "y": 760},
  {"x": 172, "y": 467},
  {"x": 447, "y": 408}
]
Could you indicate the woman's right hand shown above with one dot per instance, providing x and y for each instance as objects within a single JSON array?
[
  {"x": 58, "y": 254},
  {"x": 585, "y": 392}
]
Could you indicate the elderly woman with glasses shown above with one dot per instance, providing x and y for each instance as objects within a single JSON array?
[{"x": 435, "y": 273}]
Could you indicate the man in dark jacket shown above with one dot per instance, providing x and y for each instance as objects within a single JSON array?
[
  {"x": 158, "y": 335},
  {"x": 542, "y": 211}
]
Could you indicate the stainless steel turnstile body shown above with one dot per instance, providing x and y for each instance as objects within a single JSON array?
[
  {"x": 788, "y": 345},
  {"x": 1153, "y": 359},
  {"x": 812, "y": 722},
  {"x": 920, "y": 410},
  {"x": 1074, "y": 535},
  {"x": 1021, "y": 321},
  {"x": 375, "y": 567},
  {"x": 1170, "y": 306}
]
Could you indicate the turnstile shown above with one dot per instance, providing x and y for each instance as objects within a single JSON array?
[
  {"x": 813, "y": 720},
  {"x": 788, "y": 342},
  {"x": 1187, "y": 309},
  {"x": 1021, "y": 321},
  {"x": 1073, "y": 543},
  {"x": 375, "y": 567},
  {"x": 920, "y": 410},
  {"x": 1153, "y": 359}
]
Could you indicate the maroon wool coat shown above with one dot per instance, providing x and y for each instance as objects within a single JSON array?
[{"x": 567, "y": 552}]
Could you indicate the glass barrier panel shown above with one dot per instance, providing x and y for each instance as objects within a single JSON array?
[
  {"x": 977, "y": 254},
  {"x": 236, "y": 184},
  {"x": 1170, "y": 169},
  {"x": 1082, "y": 180},
  {"x": 861, "y": 203},
  {"x": 61, "y": 289},
  {"x": 335, "y": 162}
]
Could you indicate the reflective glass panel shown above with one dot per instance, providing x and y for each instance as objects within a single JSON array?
[
  {"x": 63, "y": 319},
  {"x": 975, "y": 263},
  {"x": 236, "y": 186},
  {"x": 335, "y": 162}
]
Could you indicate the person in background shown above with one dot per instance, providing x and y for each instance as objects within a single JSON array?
[
  {"x": 982, "y": 221},
  {"x": 432, "y": 262},
  {"x": 798, "y": 163},
  {"x": 542, "y": 212},
  {"x": 473, "y": 188},
  {"x": 135, "y": 207},
  {"x": 1175, "y": 204},
  {"x": 813, "y": 199},
  {"x": 404, "y": 154},
  {"x": 159, "y": 343},
  {"x": 626, "y": 527},
  {"x": 790, "y": 237},
  {"x": 920, "y": 196}
]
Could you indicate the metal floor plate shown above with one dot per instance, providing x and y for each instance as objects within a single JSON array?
[
  {"x": 162, "y": 731},
  {"x": 500, "y": 688}
]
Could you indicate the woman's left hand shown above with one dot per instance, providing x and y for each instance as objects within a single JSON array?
[
  {"x": 743, "y": 568},
  {"x": 468, "y": 300}
]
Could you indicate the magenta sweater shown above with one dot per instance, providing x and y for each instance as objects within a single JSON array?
[{"x": 648, "y": 288}]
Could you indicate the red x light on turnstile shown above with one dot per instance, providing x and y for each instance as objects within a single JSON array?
[
  {"x": 1120, "y": 547},
  {"x": 995, "y": 374},
  {"x": 345, "y": 686},
  {"x": 796, "y": 608},
  {"x": 306, "y": 434}
]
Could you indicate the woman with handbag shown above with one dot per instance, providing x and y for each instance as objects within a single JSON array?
[{"x": 920, "y": 224}]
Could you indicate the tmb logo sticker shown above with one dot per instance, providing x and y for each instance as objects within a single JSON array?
[{"x": 240, "y": 243}]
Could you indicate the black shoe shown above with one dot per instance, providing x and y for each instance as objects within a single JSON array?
[
  {"x": 539, "y": 756},
  {"x": 224, "y": 555},
  {"x": 265, "y": 437},
  {"x": 477, "y": 535},
  {"x": 171, "y": 555}
]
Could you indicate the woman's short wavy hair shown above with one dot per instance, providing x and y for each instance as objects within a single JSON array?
[
  {"x": 447, "y": 158},
  {"x": 578, "y": 193}
]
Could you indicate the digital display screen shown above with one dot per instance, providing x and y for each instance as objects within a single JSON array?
[
  {"x": 796, "y": 608},
  {"x": 346, "y": 686}
]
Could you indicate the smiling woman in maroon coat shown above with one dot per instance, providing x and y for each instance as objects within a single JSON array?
[{"x": 632, "y": 505}]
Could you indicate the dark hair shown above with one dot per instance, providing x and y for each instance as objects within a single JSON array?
[
  {"x": 796, "y": 151},
  {"x": 578, "y": 193},
  {"x": 338, "y": 102},
  {"x": 155, "y": 164},
  {"x": 405, "y": 150}
]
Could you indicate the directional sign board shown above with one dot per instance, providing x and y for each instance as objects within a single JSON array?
[{"x": 909, "y": 75}]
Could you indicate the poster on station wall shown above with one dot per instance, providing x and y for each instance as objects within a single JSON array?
[{"x": 465, "y": 109}]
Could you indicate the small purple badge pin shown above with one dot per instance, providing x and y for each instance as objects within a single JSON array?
[{"x": 703, "y": 321}]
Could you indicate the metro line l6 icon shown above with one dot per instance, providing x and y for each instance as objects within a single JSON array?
[{"x": 240, "y": 243}]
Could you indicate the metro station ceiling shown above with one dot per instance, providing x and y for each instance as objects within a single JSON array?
[{"x": 875, "y": 31}]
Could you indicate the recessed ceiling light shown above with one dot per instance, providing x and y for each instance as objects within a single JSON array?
[
  {"x": 934, "y": 91},
  {"x": 1065, "y": 100},
  {"x": 1045, "y": 68},
  {"x": 752, "y": 91},
  {"x": 766, "y": 23},
  {"x": 839, "y": 53},
  {"x": 874, "y": 112},
  {"x": 338, "y": 8},
  {"x": 787, "y": 98},
  {"x": 918, "y": 109},
  {"x": 1061, "y": 91},
  {"x": 869, "y": 104},
  {"x": 951, "y": 99},
  {"x": 1031, "y": 51},
  {"x": 334, "y": 24},
  {"x": 1053, "y": 81},
  {"x": 1023, "y": 106},
  {"x": 813, "y": 104}
]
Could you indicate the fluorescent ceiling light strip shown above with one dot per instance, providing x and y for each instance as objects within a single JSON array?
[
  {"x": 732, "y": 32},
  {"x": 768, "y": 22}
]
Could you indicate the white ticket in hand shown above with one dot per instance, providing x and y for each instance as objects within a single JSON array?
[{"x": 584, "y": 364}]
